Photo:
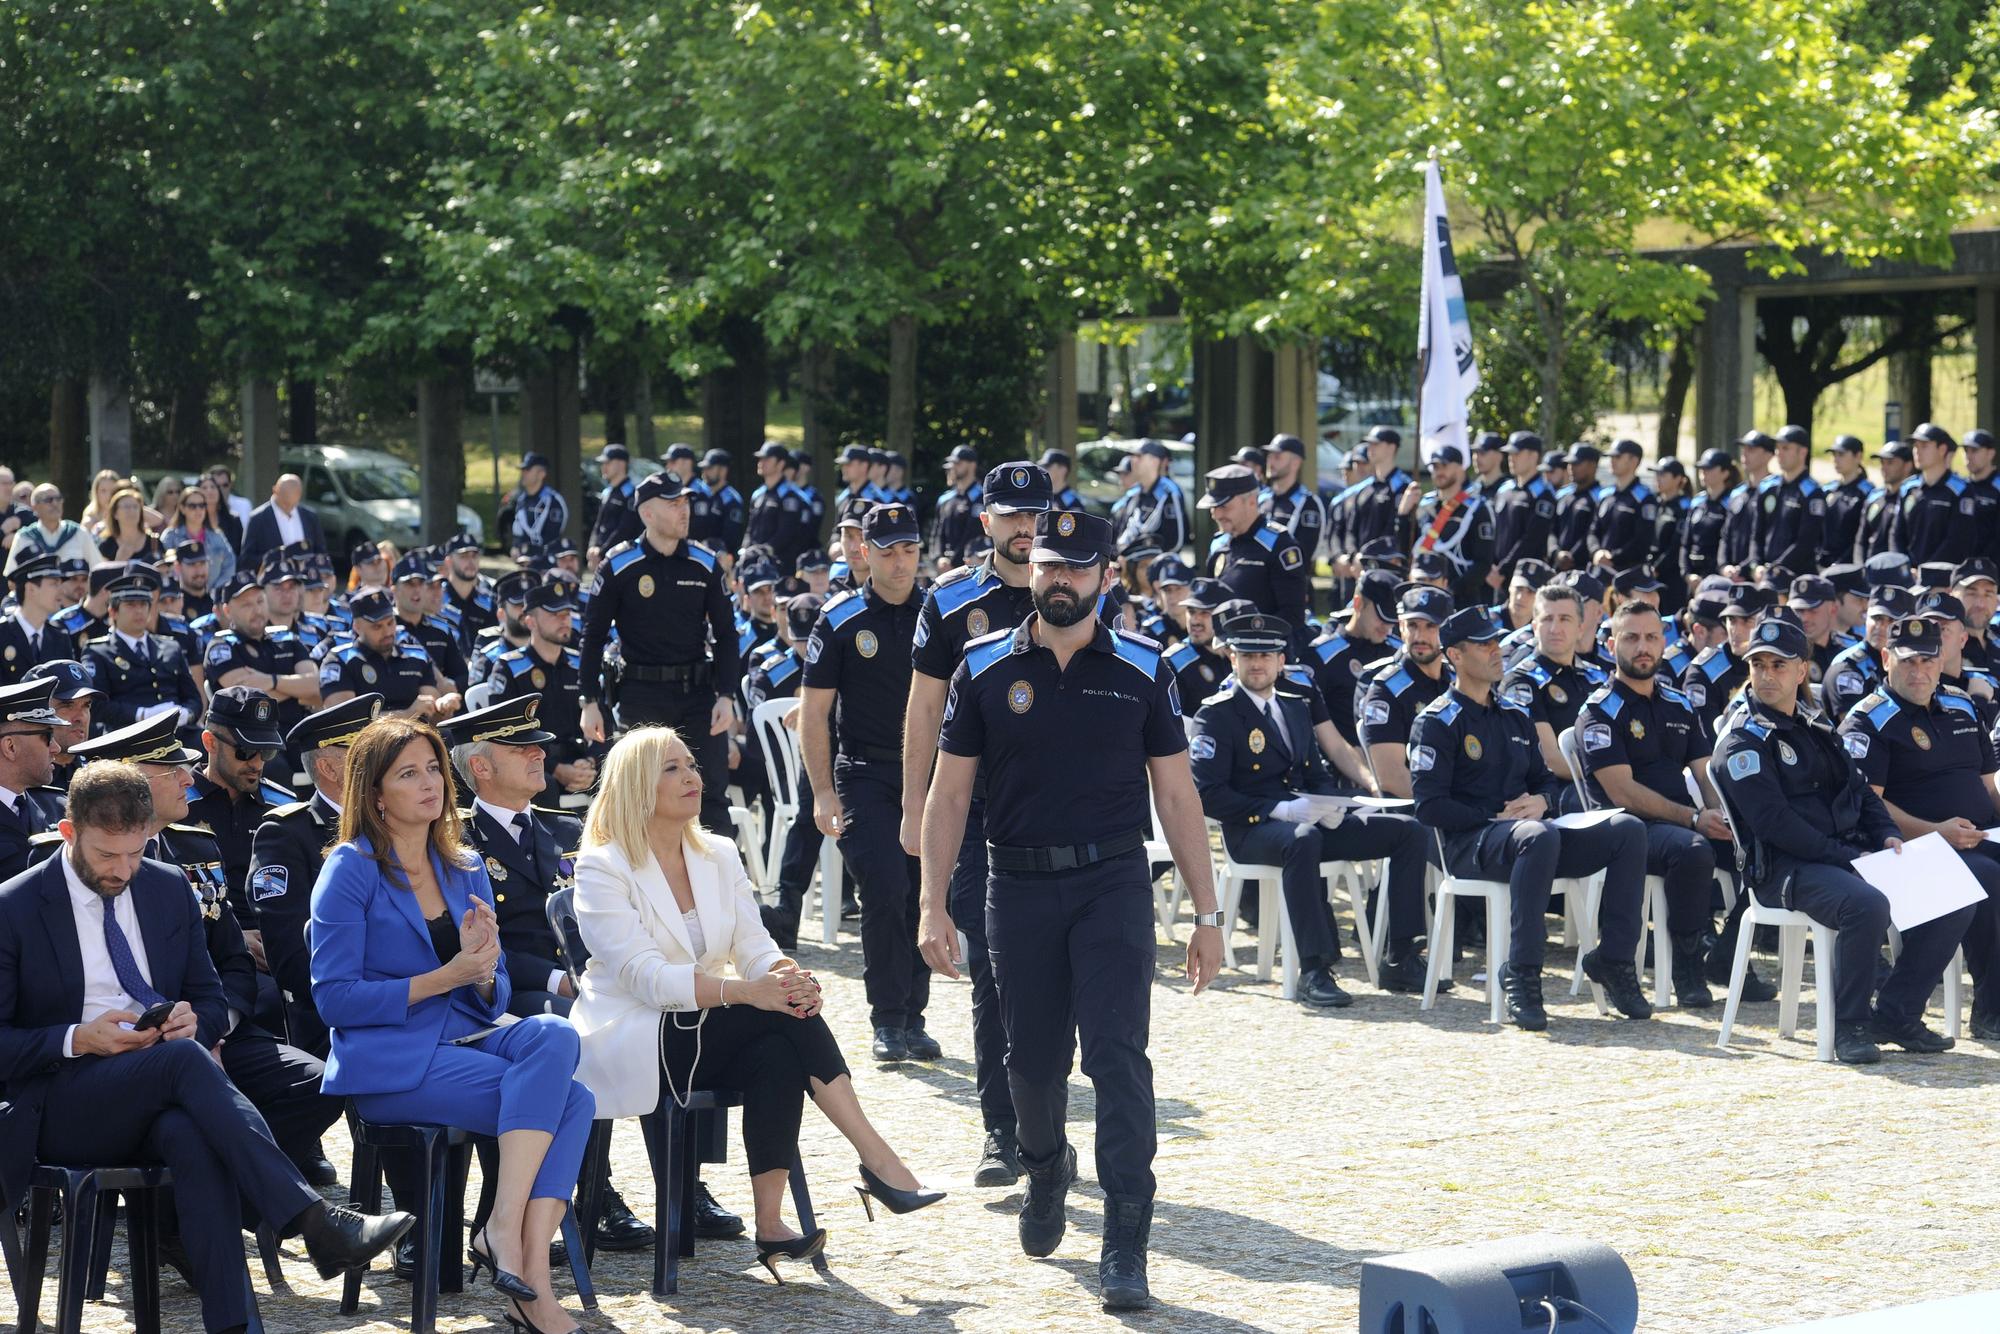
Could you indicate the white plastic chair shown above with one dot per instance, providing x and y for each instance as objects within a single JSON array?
[
  {"x": 782, "y": 767},
  {"x": 1233, "y": 877},
  {"x": 749, "y": 823},
  {"x": 1654, "y": 905},
  {"x": 1357, "y": 878},
  {"x": 1580, "y": 897},
  {"x": 479, "y": 696},
  {"x": 1166, "y": 904}
]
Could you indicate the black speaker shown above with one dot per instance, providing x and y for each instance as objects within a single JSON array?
[{"x": 1499, "y": 1287}]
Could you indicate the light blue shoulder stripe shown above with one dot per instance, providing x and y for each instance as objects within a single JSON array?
[
  {"x": 1145, "y": 658},
  {"x": 981, "y": 655}
]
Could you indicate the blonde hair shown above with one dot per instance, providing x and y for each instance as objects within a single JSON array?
[{"x": 627, "y": 787}]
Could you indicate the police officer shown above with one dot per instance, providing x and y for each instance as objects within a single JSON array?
[
  {"x": 27, "y": 761},
  {"x": 26, "y": 637},
  {"x": 1718, "y": 670},
  {"x": 550, "y": 668},
  {"x": 780, "y": 516},
  {"x": 1338, "y": 656},
  {"x": 1846, "y": 502},
  {"x": 857, "y": 681},
  {"x": 1670, "y": 486},
  {"x": 968, "y": 604},
  {"x": 1857, "y": 670},
  {"x": 1373, "y": 507},
  {"x": 510, "y": 604},
  {"x": 1624, "y": 529},
  {"x": 666, "y": 598},
  {"x": 72, "y": 702},
  {"x": 1198, "y": 669},
  {"x": 540, "y": 512},
  {"x": 1882, "y": 511},
  {"x": 1479, "y": 779},
  {"x": 140, "y": 674},
  {"x": 720, "y": 519},
  {"x": 955, "y": 521},
  {"x": 853, "y": 465},
  {"x": 1153, "y": 515},
  {"x": 1816, "y": 602},
  {"x": 467, "y": 593},
  {"x": 1925, "y": 750},
  {"x": 1251, "y": 558},
  {"x": 1638, "y": 740},
  {"x": 1803, "y": 813},
  {"x": 378, "y": 660},
  {"x": 1576, "y": 509},
  {"x": 1160, "y": 617},
  {"x": 1739, "y": 529},
  {"x": 249, "y": 653},
  {"x": 617, "y": 513},
  {"x": 1488, "y": 466},
  {"x": 1552, "y": 682},
  {"x": 1287, "y": 502},
  {"x": 1258, "y": 769},
  {"x": 1524, "y": 507},
  {"x": 1058, "y": 465},
  {"x": 1072, "y": 723},
  {"x": 1791, "y": 508},
  {"x": 1453, "y": 524},
  {"x": 84, "y": 621},
  {"x": 1707, "y": 517},
  {"x": 1984, "y": 487},
  {"x": 800, "y": 475},
  {"x": 439, "y": 638},
  {"x": 230, "y": 793},
  {"x": 1937, "y": 514},
  {"x": 1413, "y": 678},
  {"x": 779, "y": 675}
]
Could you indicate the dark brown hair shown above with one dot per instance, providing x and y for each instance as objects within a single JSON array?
[
  {"x": 369, "y": 760},
  {"x": 110, "y": 795}
]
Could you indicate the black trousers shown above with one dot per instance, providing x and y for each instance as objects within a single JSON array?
[
  {"x": 686, "y": 711},
  {"x": 1686, "y": 862},
  {"x": 1531, "y": 854},
  {"x": 1361, "y": 836},
  {"x": 172, "y": 1104},
  {"x": 1836, "y": 897},
  {"x": 767, "y": 1057},
  {"x": 894, "y": 973},
  {"x": 1073, "y": 956},
  {"x": 282, "y": 1083},
  {"x": 802, "y": 845},
  {"x": 1982, "y": 933},
  {"x": 966, "y": 899}
]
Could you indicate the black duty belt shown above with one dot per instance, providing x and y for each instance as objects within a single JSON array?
[
  {"x": 1019, "y": 861},
  {"x": 850, "y": 750},
  {"x": 691, "y": 674}
]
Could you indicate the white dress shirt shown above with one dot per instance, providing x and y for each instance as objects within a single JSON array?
[
  {"x": 505, "y": 819},
  {"x": 291, "y": 527},
  {"x": 34, "y": 633},
  {"x": 102, "y": 991},
  {"x": 1269, "y": 705}
]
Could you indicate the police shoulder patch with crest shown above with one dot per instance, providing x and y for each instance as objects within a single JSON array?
[
  {"x": 1787, "y": 754},
  {"x": 1857, "y": 744},
  {"x": 1596, "y": 736},
  {"x": 1744, "y": 763},
  {"x": 1422, "y": 759},
  {"x": 1201, "y": 746}
]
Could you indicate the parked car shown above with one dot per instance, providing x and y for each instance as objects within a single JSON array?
[
  {"x": 1344, "y": 424},
  {"x": 1096, "y": 478},
  {"x": 365, "y": 495}
]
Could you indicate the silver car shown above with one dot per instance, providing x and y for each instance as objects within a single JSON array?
[{"x": 365, "y": 495}]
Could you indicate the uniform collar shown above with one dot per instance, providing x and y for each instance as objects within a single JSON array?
[
  {"x": 1024, "y": 636},
  {"x": 875, "y": 599},
  {"x": 1771, "y": 718},
  {"x": 1466, "y": 701}
]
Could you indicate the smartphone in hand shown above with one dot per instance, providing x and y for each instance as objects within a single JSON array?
[{"x": 154, "y": 1016}]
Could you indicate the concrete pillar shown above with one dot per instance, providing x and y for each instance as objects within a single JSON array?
[
  {"x": 110, "y": 425},
  {"x": 1986, "y": 354},
  {"x": 259, "y": 469},
  {"x": 441, "y": 446},
  {"x": 1058, "y": 426},
  {"x": 1725, "y": 371}
]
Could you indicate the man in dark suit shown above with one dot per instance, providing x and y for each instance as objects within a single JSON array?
[
  {"x": 278, "y": 522},
  {"x": 529, "y": 852},
  {"x": 89, "y": 941},
  {"x": 27, "y": 761}
]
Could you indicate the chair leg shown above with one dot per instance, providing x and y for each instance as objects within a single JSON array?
[
  {"x": 80, "y": 1224},
  {"x": 1792, "y": 970},
  {"x": 661, "y": 1132},
  {"x": 1737, "y": 970},
  {"x": 11, "y": 1245},
  {"x": 579, "y": 1268},
  {"x": 1270, "y": 899},
  {"x": 451, "y": 1216},
  {"x": 364, "y": 1192},
  {"x": 1954, "y": 999},
  {"x": 107, "y": 1232},
  {"x": 424, "y": 1284},
  {"x": 596, "y": 1162},
  {"x": 1440, "y": 947},
  {"x": 1497, "y": 909},
  {"x": 142, "y": 1240},
  {"x": 34, "y": 1264},
  {"x": 271, "y": 1255},
  {"x": 829, "y": 893},
  {"x": 1823, "y": 987},
  {"x": 802, "y": 1205}
]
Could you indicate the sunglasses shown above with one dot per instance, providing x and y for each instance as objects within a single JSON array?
[{"x": 245, "y": 754}]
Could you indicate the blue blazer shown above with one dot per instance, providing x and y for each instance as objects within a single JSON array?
[
  {"x": 369, "y": 939},
  {"x": 41, "y": 988}
]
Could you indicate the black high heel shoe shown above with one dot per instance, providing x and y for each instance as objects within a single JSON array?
[
  {"x": 895, "y": 1201},
  {"x": 504, "y": 1282},
  {"x": 517, "y": 1320},
  {"x": 794, "y": 1248}
]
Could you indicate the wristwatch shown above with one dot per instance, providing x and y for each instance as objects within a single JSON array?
[{"x": 1208, "y": 918}]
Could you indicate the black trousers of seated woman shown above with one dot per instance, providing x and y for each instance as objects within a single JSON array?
[{"x": 767, "y": 1057}]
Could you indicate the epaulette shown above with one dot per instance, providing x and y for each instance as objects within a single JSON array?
[
  {"x": 1954, "y": 698},
  {"x": 622, "y": 556},
  {"x": 201, "y": 829},
  {"x": 1955, "y": 482},
  {"x": 1673, "y": 696},
  {"x": 700, "y": 554},
  {"x": 275, "y": 792},
  {"x": 843, "y": 609},
  {"x": 1399, "y": 682},
  {"x": 1608, "y": 700},
  {"x": 46, "y": 837},
  {"x": 1179, "y": 656},
  {"x": 1141, "y": 652},
  {"x": 986, "y": 650},
  {"x": 1877, "y": 707},
  {"x": 1329, "y": 648},
  {"x": 1267, "y": 538},
  {"x": 1444, "y": 707},
  {"x": 292, "y": 807}
]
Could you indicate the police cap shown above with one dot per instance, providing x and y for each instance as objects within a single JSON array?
[
  {"x": 1712, "y": 458},
  {"x": 962, "y": 454},
  {"x": 1940, "y": 606},
  {"x": 533, "y": 460},
  {"x": 1978, "y": 438},
  {"x": 1776, "y": 635},
  {"x": 1892, "y": 601},
  {"x": 1757, "y": 440},
  {"x": 1448, "y": 454},
  {"x": 1284, "y": 443},
  {"x": 148, "y": 741},
  {"x": 1225, "y": 484},
  {"x": 1888, "y": 567},
  {"x": 854, "y": 512},
  {"x": 26, "y": 703},
  {"x": 37, "y": 567},
  {"x": 337, "y": 725},
  {"x": 1670, "y": 467},
  {"x": 1486, "y": 442},
  {"x": 1974, "y": 570},
  {"x": 1055, "y": 458},
  {"x": 246, "y": 714},
  {"x": 1897, "y": 449},
  {"x": 1750, "y": 600},
  {"x": 801, "y": 613},
  {"x": 1534, "y": 573},
  {"x": 372, "y": 603},
  {"x": 715, "y": 458},
  {"x": 1169, "y": 572},
  {"x": 886, "y": 525},
  {"x": 1070, "y": 539},
  {"x": 131, "y": 588},
  {"x": 240, "y": 583},
  {"x": 1153, "y": 449},
  {"x": 1521, "y": 440},
  {"x": 514, "y": 585},
  {"x": 1637, "y": 579},
  {"x": 1847, "y": 579},
  {"x": 1934, "y": 574},
  {"x": 1583, "y": 452},
  {"x": 1588, "y": 584},
  {"x": 760, "y": 574},
  {"x": 1794, "y": 435},
  {"x": 1378, "y": 589},
  {"x": 677, "y": 452},
  {"x": 1018, "y": 487},
  {"x": 812, "y": 559},
  {"x": 1250, "y": 456},
  {"x": 663, "y": 485},
  {"x": 364, "y": 553},
  {"x": 1382, "y": 553},
  {"x": 73, "y": 566},
  {"x": 1257, "y": 633},
  {"x": 1846, "y": 444},
  {"x": 464, "y": 541},
  {"x": 1707, "y": 607},
  {"x": 1424, "y": 603},
  {"x": 1383, "y": 435},
  {"x": 72, "y": 679},
  {"x": 1812, "y": 590},
  {"x": 610, "y": 452},
  {"x": 1916, "y": 637},
  {"x": 771, "y": 449},
  {"x": 553, "y": 595},
  {"x": 1208, "y": 594},
  {"x": 104, "y": 576},
  {"x": 184, "y": 553},
  {"x": 511, "y": 722},
  {"x": 1628, "y": 449},
  {"x": 1474, "y": 625},
  {"x": 1432, "y": 565},
  {"x": 1935, "y": 434},
  {"x": 412, "y": 569}
]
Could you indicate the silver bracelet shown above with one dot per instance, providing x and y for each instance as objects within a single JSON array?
[{"x": 723, "y": 992}]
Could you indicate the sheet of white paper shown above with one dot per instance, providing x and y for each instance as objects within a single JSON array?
[
  {"x": 1993, "y": 834},
  {"x": 1926, "y": 880},
  {"x": 1585, "y": 819},
  {"x": 1338, "y": 803}
]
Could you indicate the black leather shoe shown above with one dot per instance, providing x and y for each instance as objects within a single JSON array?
[
  {"x": 339, "y": 1240},
  {"x": 890, "y": 1045},
  {"x": 619, "y": 1230},
  {"x": 1405, "y": 977},
  {"x": 175, "y": 1254},
  {"x": 849, "y": 910},
  {"x": 406, "y": 1258},
  {"x": 316, "y": 1169},
  {"x": 782, "y": 923},
  {"x": 1000, "y": 1164},
  {"x": 1690, "y": 986},
  {"x": 1852, "y": 1047},
  {"x": 1121, "y": 1265},
  {"x": 1986, "y": 1027},
  {"x": 1909, "y": 1034},
  {"x": 1522, "y": 994},
  {"x": 1320, "y": 990},
  {"x": 711, "y": 1220},
  {"x": 1042, "y": 1219},
  {"x": 921, "y": 1045},
  {"x": 1620, "y": 980}
]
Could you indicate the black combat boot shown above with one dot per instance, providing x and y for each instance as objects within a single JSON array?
[{"x": 1121, "y": 1267}]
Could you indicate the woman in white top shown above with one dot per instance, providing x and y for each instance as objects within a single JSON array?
[{"x": 665, "y": 912}]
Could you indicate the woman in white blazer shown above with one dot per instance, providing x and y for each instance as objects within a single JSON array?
[{"x": 667, "y": 915}]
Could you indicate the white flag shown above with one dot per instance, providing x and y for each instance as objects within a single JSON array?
[{"x": 1446, "y": 375}]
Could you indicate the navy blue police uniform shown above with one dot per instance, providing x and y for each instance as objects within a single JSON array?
[
  {"x": 1262, "y": 564},
  {"x": 23, "y": 646},
  {"x": 398, "y": 676},
  {"x": 1337, "y": 659},
  {"x": 26, "y": 705},
  {"x": 1627, "y": 524},
  {"x": 617, "y": 505},
  {"x": 1553, "y": 693}
]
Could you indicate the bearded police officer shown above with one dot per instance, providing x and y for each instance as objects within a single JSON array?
[
  {"x": 857, "y": 682},
  {"x": 379, "y": 660},
  {"x": 1198, "y": 669},
  {"x": 964, "y": 605},
  {"x": 1398, "y": 690},
  {"x": 667, "y": 599},
  {"x": 1073, "y": 722},
  {"x": 1338, "y": 656},
  {"x": 1479, "y": 778},
  {"x": 1287, "y": 502}
]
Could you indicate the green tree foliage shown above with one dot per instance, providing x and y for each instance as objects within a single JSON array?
[{"x": 1507, "y": 342}]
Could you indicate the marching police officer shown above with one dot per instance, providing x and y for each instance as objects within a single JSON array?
[
  {"x": 1252, "y": 559},
  {"x": 1338, "y": 656},
  {"x": 550, "y": 668},
  {"x": 1802, "y": 813},
  {"x": 1524, "y": 506},
  {"x": 1454, "y": 523},
  {"x": 1638, "y": 740},
  {"x": 1479, "y": 778},
  {"x": 140, "y": 674},
  {"x": 955, "y": 521},
  {"x": 666, "y": 598},
  {"x": 379, "y": 660},
  {"x": 1412, "y": 679},
  {"x": 1072, "y": 723},
  {"x": 617, "y": 511},
  {"x": 27, "y": 761},
  {"x": 1258, "y": 769},
  {"x": 1925, "y": 750},
  {"x": 1287, "y": 502}
]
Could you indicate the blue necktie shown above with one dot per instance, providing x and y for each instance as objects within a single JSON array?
[{"x": 123, "y": 963}]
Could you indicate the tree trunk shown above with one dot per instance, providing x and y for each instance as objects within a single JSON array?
[
  {"x": 815, "y": 372},
  {"x": 1910, "y": 371},
  {"x": 901, "y": 431},
  {"x": 644, "y": 442},
  {"x": 1673, "y": 399},
  {"x": 69, "y": 446},
  {"x": 302, "y": 408},
  {"x": 441, "y": 441},
  {"x": 733, "y": 397},
  {"x": 614, "y": 408},
  {"x": 188, "y": 438}
]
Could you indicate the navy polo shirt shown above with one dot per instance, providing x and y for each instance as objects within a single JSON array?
[
  {"x": 1064, "y": 752},
  {"x": 1658, "y": 735},
  {"x": 1552, "y": 692},
  {"x": 1932, "y": 761},
  {"x": 860, "y": 650},
  {"x": 961, "y": 606},
  {"x": 1390, "y": 705}
]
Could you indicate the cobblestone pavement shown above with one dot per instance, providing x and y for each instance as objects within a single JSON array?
[{"x": 1746, "y": 1189}]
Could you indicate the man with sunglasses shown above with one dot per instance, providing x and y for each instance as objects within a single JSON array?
[
  {"x": 50, "y": 534},
  {"x": 27, "y": 760},
  {"x": 231, "y": 792}
]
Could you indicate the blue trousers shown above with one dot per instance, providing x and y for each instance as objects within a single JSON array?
[
  {"x": 521, "y": 1078},
  {"x": 893, "y": 971},
  {"x": 1837, "y": 897},
  {"x": 1531, "y": 854}
]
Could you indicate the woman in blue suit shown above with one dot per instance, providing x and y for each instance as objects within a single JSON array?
[{"x": 407, "y": 973}]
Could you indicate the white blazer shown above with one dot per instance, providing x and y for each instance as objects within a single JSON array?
[{"x": 642, "y": 963}]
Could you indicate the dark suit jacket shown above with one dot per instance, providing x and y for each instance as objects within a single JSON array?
[
  {"x": 1242, "y": 767},
  {"x": 523, "y": 877},
  {"x": 260, "y": 534},
  {"x": 41, "y": 988}
]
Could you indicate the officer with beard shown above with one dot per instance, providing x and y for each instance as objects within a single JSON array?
[
  {"x": 1198, "y": 669},
  {"x": 510, "y": 603},
  {"x": 549, "y": 667},
  {"x": 71, "y": 701}
]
